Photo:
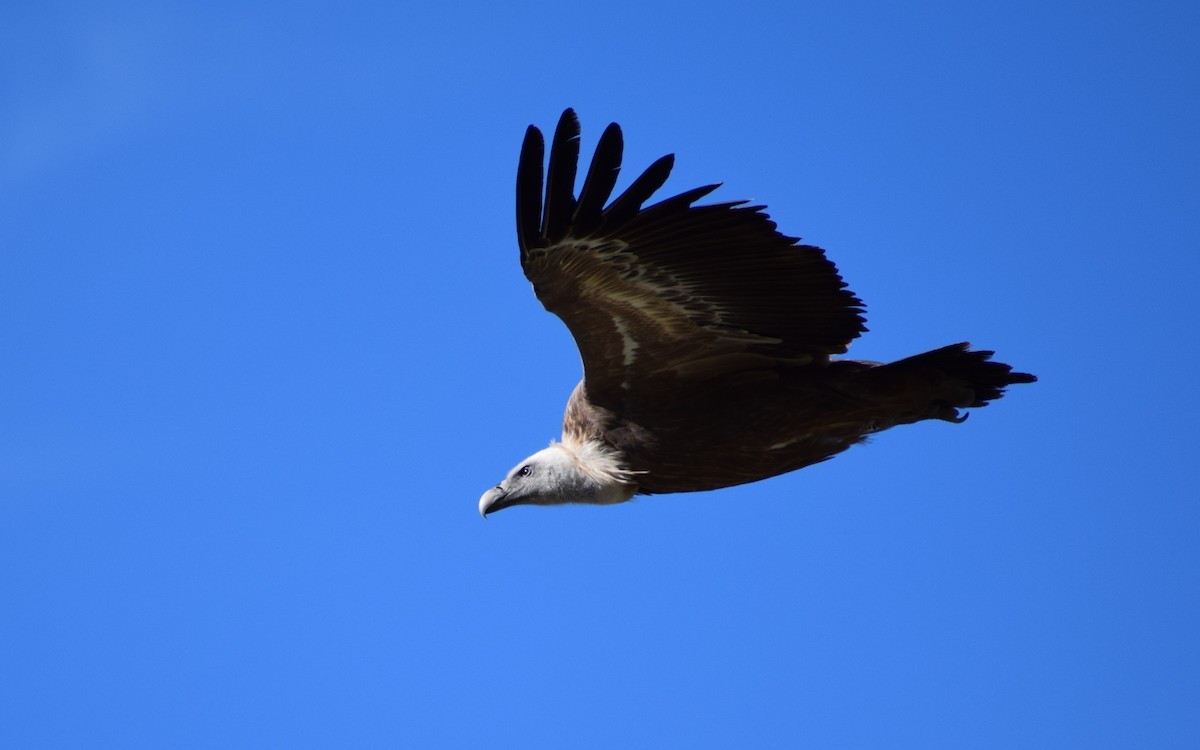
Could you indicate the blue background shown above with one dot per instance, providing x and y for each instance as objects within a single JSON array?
[{"x": 266, "y": 340}]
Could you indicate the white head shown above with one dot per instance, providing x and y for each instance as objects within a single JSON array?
[{"x": 562, "y": 474}]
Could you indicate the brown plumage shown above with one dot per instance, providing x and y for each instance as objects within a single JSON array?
[{"x": 707, "y": 339}]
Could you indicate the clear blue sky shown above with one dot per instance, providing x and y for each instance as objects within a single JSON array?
[{"x": 266, "y": 340}]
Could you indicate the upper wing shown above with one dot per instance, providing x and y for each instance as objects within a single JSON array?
[{"x": 671, "y": 291}]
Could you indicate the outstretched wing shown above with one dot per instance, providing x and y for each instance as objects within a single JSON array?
[{"x": 672, "y": 291}]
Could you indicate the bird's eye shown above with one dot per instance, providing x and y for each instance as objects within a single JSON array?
[{"x": 524, "y": 471}]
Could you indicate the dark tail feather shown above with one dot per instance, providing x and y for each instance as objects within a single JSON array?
[{"x": 940, "y": 382}]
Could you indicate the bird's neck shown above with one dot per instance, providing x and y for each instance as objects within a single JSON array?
[{"x": 600, "y": 471}]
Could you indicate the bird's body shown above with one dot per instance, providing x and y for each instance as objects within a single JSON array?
[{"x": 707, "y": 341}]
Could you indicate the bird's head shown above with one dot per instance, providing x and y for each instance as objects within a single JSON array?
[{"x": 554, "y": 476}]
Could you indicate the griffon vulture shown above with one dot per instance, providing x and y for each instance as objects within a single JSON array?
[{"x": 707, "y": 338}]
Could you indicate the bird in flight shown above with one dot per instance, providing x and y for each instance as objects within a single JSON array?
[{"x": 708, "y": 340}]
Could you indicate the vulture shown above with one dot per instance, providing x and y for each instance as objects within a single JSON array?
[{"x": 708, "y": 339}]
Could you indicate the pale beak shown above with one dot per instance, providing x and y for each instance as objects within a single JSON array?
[{"x": 491, "y": 500}]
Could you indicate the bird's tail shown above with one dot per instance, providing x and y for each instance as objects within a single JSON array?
[{"x": 936, "y": 384}]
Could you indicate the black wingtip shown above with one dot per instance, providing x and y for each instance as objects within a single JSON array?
[
  {"x": 547, "y": 210},
  {"x": 529, "y": 189},
  {"x": 560, "y": 177},
  {"x": 627, "y": 205},
  {"x": 600, "y": 181}
]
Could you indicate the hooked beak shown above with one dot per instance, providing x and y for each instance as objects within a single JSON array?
[{"x": 492, "y": 500}]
